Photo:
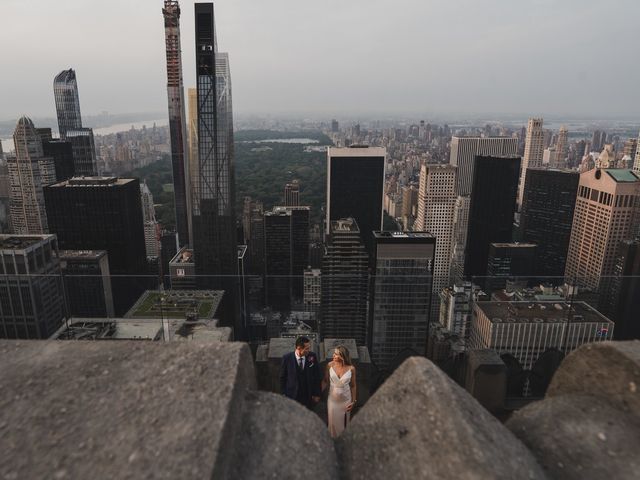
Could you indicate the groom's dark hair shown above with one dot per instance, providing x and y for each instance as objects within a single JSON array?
[{"x": 302, "y": 341}]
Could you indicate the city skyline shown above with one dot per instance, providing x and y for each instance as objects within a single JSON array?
[{"x": 514, "y": 55}]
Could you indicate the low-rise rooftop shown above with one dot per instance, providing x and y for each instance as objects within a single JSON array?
[
  {"x": 176, "y": 304},
  {"x": 551, "y": 312}
]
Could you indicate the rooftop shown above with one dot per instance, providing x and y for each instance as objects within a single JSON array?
[
  {"x": 401, "y": 235},
  {"x": 357, "y": 151},
  {"x": 345, "y": 225},
  {"x": 93, "y": 182},
  {"x": 176, "y": 304},
  {"x": 622, "y": 175},
  {"x": 82, "y": 254},
  {"x": 514, "y": 245},
  {"x": 185, "y": 255},
  {"x": 528, "y": 312},
  {"x": 66, "y": 76},
  {"x": 22, "y": 242}
]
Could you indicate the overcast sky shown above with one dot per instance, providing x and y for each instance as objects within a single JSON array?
[{"x": 335, "y": 57}]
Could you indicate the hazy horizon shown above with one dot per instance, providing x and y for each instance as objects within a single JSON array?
[{"x": 334, "y": 58}]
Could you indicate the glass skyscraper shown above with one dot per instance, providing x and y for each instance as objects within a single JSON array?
[
  {"x": 65, "y": 91},
  {"x": 213, "y": 205}
]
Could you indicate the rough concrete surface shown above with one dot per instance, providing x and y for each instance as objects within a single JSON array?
[
  {"x": 282, "y": 440},
  {"x": 119, "y": 409},
  {"x": 420, "y": 424},
  {"x": 578, "y": 437},
  {"x": 607, "y": 370}
]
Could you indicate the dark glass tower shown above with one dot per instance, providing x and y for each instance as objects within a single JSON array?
[
  {"x": 61, "y": 152},
  {"x": 355, "y": 183},
  {"x": 547, "y": 216},
  {"x": 177, "y": 131},
  {"x": 65, "y": 91},
  {"x": 401, "y": 294},
  {"x": 213, "y": 206},
  {"x": 286, "y": 231},
  {"x": 493, "y": 204},
  {"x": 345, "y": 283},
  {"x": 103, "y": 213}
]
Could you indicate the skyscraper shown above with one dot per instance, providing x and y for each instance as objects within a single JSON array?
[
  {"x": 292, "y": 194},
  {"x": 31, "y": 290},
  {"x": 29, "y": 171},
  {"x": 464, "y": 150},
  {"x": 436, "y": 206},
  {"x": 636, "y": 161},
  {"x": 546, "y": 218},
  {"x": 401, "y": 294},
  {"x": 510, "y": 261},
  {"x": 355, "y": 183},
  {"x": 103, "y": 213},
  {"x": 192, "y": 98},
  {"x": 151, "y": 226},
  {"x": 459, "y": 240},
  {"x": 533, "y": 152},
  {"x": 622, "y": 302},
  {"x": 177, "y": 130},
  {"x": 345, "y": 283},
  {"x": 562, "y": 149},
  {"x": 87, "y": 283},
  {"x": 213, "y": 206},
  {"x": 286, "y": 240},
  {"x": 491, "y": 210},
  {"x": 61, "y": 152},
  {"x": 65, "y": 91},
  {"x": 606, "y": 213}
]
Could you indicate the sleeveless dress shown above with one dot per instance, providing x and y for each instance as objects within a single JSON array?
[{"x": 339, "y": 399}]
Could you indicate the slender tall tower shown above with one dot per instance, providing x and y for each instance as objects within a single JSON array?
[
  {"x": 562, "y": 149},
  {"x": 436, "y": 206},
  {"x": 65, "y": 91},
  {"x": 192, "y": 100},
  {"x": 175, "y": 91},
  {"x": 636, "y": 160},
  {"x": 214, "y": 220},
  {"x": 533, "y": 152},
  {"x": 29, "y": 171}
]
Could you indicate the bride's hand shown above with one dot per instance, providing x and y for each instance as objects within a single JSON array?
[{"x": 350, "y": 406}]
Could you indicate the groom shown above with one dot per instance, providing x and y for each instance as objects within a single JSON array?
[{"x": 300, "y": 376}]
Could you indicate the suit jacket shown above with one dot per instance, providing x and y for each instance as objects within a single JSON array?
[{"x": 289, "y": 377}]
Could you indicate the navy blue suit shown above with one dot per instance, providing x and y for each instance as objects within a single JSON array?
[{"x": 301, "y": 385}]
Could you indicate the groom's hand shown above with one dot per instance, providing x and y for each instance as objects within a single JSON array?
[{"x": 315, "y": 399}]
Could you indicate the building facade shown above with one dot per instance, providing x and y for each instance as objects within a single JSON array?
[
  {"x": 355, "y": 185},
  {"x": 31, "y": 289},
  {"x": 510, "y": 262},
  {"x": 65, "y": 92},
  {"x": 402, "y": 286},
  {"x": 177, "y": 126},
  {"x": 87, "y": 283},
  {"x": 546, "y": 218},
  {"x": 533, "y": 153},
  {"x": 465, "y": 149}
]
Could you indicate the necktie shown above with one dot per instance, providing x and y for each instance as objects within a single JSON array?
[{"x": 300, "y": 362}]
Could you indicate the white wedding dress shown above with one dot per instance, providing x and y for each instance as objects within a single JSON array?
[{"x": 339, "y": 399}]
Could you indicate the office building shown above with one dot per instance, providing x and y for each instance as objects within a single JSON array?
[
  {"x": 491, "y": 210},
  {"x": 213, "y": 206},
  {"x": 606, "y": 213},
  {"x": 465, "y": 149},
  {"x": 87, "y": 283},
  {"x": 168, "y": 250},
  {"x": 533, "y": 153},
  {"x": 546, "y": 218},
  {"x": 355, "y": 183},
  {"x": 65, "y": 91},
  {"x": 459, "y": 240},
  {"x": 622, "y": 302},
  {"x": 456, "y": 307},
  {"x": 345, "y": 283},
  {"x": 29, "y": 170},
  {"x": 598, "y": 140},
  {"x": 292, "y": 194},
  {"x": 31, "y": 291},
  {"x": 436, "y": 208},
  {"x": 402, "y": 284},
  {"x": 103, "y": 213},
  {"x": 182, "y": 269},
  {"x": 151, "y": 226},
  {"x": 510, "y": 262},
  {"x": 312, "y": 289},
  {"x": 286, "y": 253},
  {"x": 177, "y": 126},
  {"x": 562, "y": 149},
  {"x": 84, "y": 151},
  {"x": 61, "y": 152},
  {"x": 526, "y": 330}
]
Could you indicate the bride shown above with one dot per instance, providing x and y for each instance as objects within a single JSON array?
[{"x": 340, "y": 375}]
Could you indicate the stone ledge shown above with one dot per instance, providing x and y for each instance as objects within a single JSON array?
[
  {"x": 420, "y": 424},
  {"x": 588, "y": 371}
]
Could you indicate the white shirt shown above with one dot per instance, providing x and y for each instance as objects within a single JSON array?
[{"x": 298, "y": 357}]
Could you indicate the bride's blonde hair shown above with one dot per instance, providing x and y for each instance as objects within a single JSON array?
[{"x": 344, "y": 354}]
